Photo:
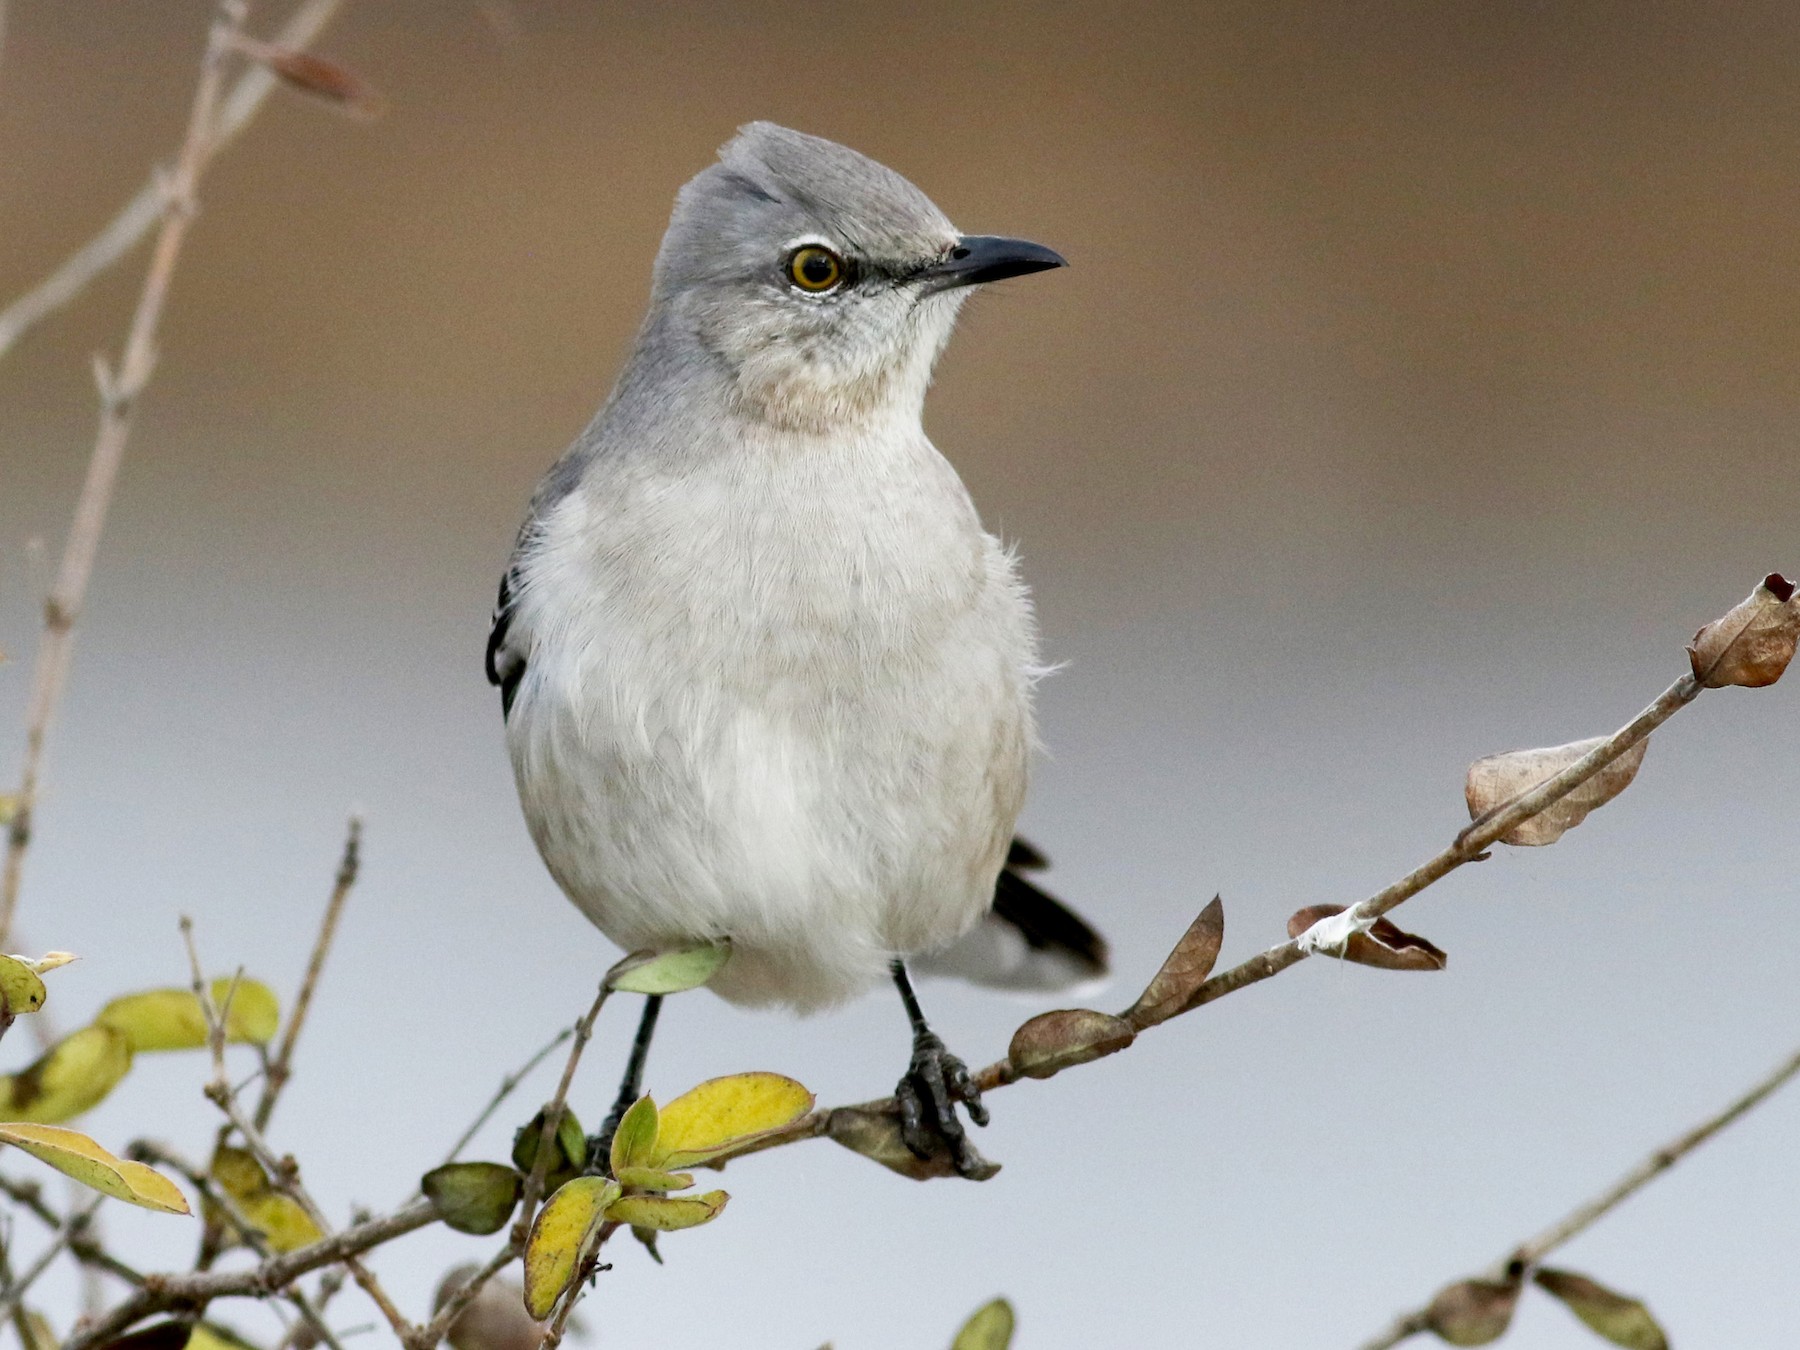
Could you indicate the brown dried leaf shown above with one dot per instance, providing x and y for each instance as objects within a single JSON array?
[
  {"x": 1184, "y": 972},
  {"x": 1472, "y": 1312},
  {"x": 495, "y": 1318},
  {"x": 315, "y": 75},
  {"x": 1623, "y": 1321},
  {"x": 1498, "y": 779},
  {"x": 1751, "y": 644},
  {"x": 1054, "y": 1041},
  {"x": 876, "y": 1135},
  {"x": 1385, "y": 945}
]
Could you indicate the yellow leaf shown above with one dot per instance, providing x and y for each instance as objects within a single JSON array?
[
  {"x": 170, "y": 1019},
  {"x": 666, "y": 1213},
  {"x": 723, "y": 1112},
  {"x": 634, "y": 1142},
  {"x": 70, "y": 1077},
  {"x": 558, "y": 1235},
  {"x": 280, "y": 1220},
  {"x": 651, "y": 1179},
  {"x": 75, "y": 1155},
  {"x": 36, "y": 1333},
  {"x": 20, "y": 985},
  {"x": 991, "y": 1328}
]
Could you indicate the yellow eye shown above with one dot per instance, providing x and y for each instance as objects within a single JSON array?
[{"x": 815, "y": 269}]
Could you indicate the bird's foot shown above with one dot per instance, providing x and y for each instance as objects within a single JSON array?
[{"x": 935, "y": 1082}]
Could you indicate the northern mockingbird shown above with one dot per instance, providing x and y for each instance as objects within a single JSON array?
[{"x": 765, "y": 676}]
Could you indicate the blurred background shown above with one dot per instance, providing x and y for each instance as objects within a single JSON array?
[{"x": 1425, "y": 375}]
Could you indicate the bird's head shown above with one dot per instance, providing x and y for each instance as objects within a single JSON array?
[{"x": 823, "y": 283}]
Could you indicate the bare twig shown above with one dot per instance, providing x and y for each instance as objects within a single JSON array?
[
  {"x": 452, "y": 1307},
  {"x": 553, "y": 1115},
  {"x": 163, "y": 1293},
  {"x": 140, "y": 215},
  {"x": 1533, "y": 1250},
  {"x": 118, "y": 396},
  {"x": 15, "y": 1292},
  {"x": 284, "y": 1172},
  {"x": 280, "y": 1068},
  {"x": 83, "y": 1246},
  {"x": 505, "y": 1090}
]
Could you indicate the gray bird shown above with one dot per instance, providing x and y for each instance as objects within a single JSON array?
[{"x": 765, "y": 676}]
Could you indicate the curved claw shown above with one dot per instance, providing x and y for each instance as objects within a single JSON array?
[{"x": 927, "y": 1096}]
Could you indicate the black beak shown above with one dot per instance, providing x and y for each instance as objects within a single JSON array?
[{"x": 986, "y": 257}]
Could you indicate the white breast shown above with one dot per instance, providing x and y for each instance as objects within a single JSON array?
[{"x": 781, "y": 697}]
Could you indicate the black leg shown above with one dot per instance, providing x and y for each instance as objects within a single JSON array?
[
  {"x": 631, "y": 1086},
  {"x": 935, "y": 1082}
]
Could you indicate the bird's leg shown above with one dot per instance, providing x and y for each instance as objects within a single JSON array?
[
  {"x": 935, "y": 1082},
  {"x": 631, "y": 1087}
]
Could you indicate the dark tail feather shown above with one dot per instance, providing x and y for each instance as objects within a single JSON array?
[{"x": 1029, "y": 940}]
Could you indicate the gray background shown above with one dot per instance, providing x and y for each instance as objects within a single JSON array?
[{"x": 1425, "y": 376}]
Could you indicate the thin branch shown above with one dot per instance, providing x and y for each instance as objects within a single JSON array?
[
  {"x": 82, "y": 1244},
  {"x": 1533, "y": 1250},
  {"x": 140, "y": 215},
  {"x": 164, "y": 1293},
  {"x": 553, "y": 1115},
  {"x": 453, "y": 1305},
  {"x": 280, "y": 1068},
  {"x": 505, "y": 1090},
  {"x": 15, "y": 1292},
  {"x": 118, "y": 395},
  {"x": 284, "y": 1172}
]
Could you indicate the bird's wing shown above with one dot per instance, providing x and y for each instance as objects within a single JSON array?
[
  {"x": 1029, "y": 941},
  {"x": 505, "y": 661}
]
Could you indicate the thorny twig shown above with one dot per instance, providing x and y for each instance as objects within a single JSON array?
[
  {"x": 1533, "y": 1250},
  {"x": 118, "y": 397}
]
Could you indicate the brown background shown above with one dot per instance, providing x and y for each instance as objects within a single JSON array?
[{"x": 1425, "y": 375}]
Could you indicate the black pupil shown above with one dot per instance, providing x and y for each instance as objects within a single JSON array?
[{"x": 817, "y": 268}]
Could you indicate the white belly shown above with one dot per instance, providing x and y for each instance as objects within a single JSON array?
[{"x": 818, "y": 752}]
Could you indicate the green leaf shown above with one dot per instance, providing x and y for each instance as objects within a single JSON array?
[
  {"x": 722, "y": 1113},
  {"x": 280, "y": 1220},
  {"x": 558, "y": 1234},
  {"x": 70, "y": 1077},
  {"x": 634, "y": 1142},
  {"x": 653, "y": 1179},
  {"x": 570, "y": 1145},
  {"x": 1055, "y": 1041},
  {"x": 1616, "y": 1318},
  {"x": 20, "y": 986},
  {"x": 667, "y": 1213},
  {"x": 75, "y": 1155},
  {"x": 991, "y": 1328},
  {"x": 473, "y": 1197},
  {"x": 672, "y": 972},
  {"x": 36, "y": 1333}
]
